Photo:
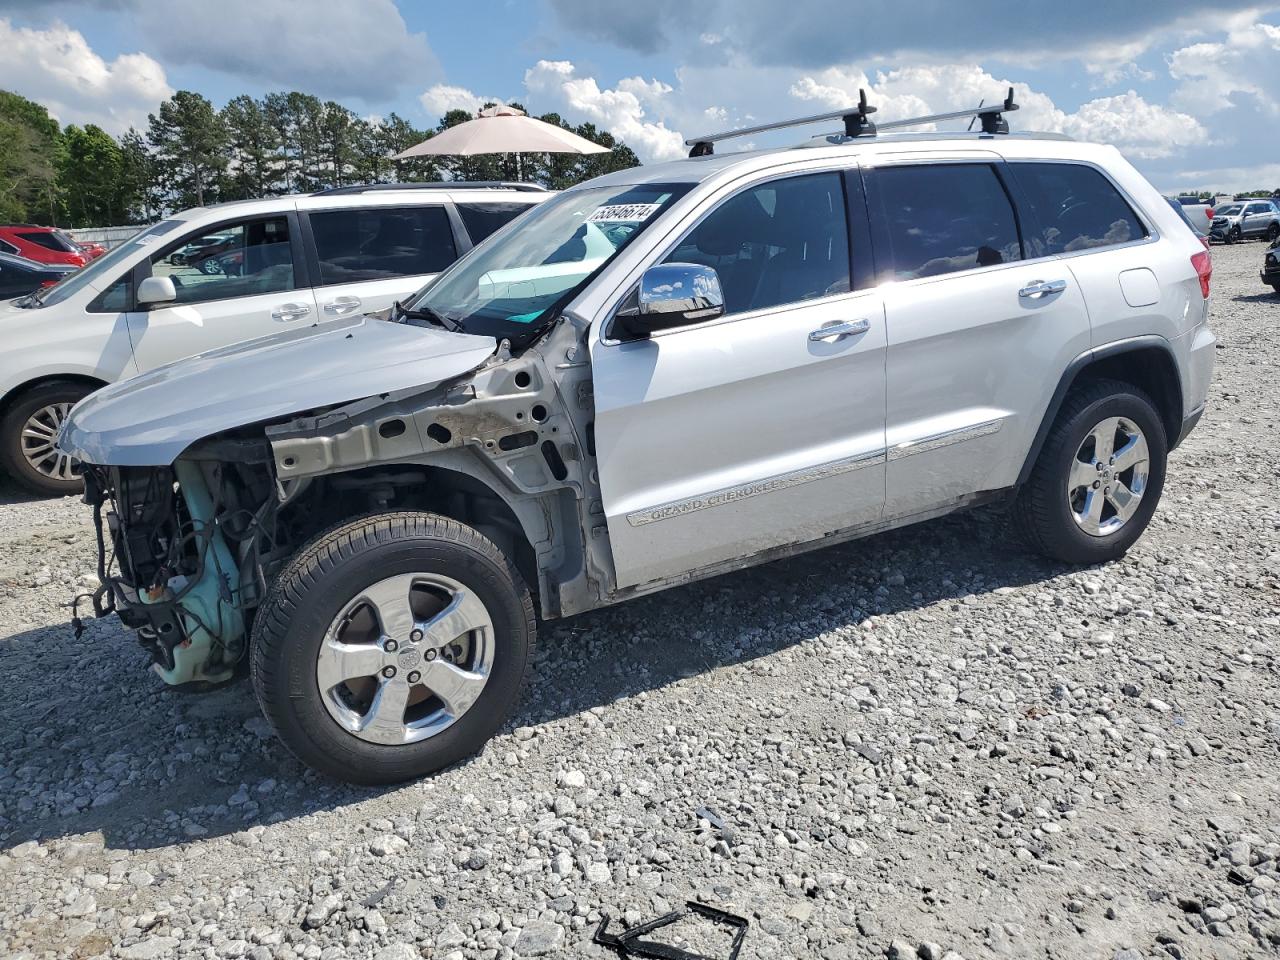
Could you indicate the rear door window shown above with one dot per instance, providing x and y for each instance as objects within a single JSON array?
[
  {"x": 943, "y": 218},
  {"x": 381, "y": 243},
  {"x": 1076, "y": 206},
  {"x": 482, "y": 219}
]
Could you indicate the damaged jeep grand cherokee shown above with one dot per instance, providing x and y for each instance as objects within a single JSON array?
[{"x": 661, "y": 375}]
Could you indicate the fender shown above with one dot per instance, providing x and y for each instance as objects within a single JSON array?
[{"x": 1078, "y": 366}]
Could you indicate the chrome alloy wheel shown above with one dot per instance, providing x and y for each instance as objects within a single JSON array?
[
  {"x": 406, "y": 658},
  {"x": 1108, "y": 476},
  {"x": 38, "y": 436}
]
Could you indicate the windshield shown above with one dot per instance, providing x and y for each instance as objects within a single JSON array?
[
  {"x": 511, "y": 284},
  {"x": 1230, "y": 210},
  {"x": 102, "y": 268}
]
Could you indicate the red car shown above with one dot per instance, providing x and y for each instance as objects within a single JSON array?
[{"x": 42, "y": 244}]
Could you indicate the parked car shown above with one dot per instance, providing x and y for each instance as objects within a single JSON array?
[
  {"x": 1271, "y": 266},
  {"x": 335, "y": 254},
  {"x": 1249, "y": 220},
  {"x": 20, "y": 276},
  {"x": 1199, "y": 212},
  {"x": 199, "y": 248},
  {"x": 91, "y": 249},
  {"x": 783, "y": 349},
  {"x": 41, "y": 244}
]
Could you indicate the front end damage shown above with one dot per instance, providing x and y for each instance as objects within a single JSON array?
[{"x": 189, "y": 551}]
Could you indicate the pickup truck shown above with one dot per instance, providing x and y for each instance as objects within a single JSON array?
[{"x": 1198, "y": 210}]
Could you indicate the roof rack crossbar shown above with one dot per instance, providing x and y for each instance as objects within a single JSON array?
[
  {"x": 432, "y": 185},
  {"x": 856, "y": 123}
]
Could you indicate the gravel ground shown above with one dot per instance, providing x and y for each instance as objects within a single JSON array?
[{"x": 929, "y": 743}]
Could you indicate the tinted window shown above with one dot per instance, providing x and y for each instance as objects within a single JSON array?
[
  {"x": 482, "y": 219},
  {"x": 941, "y": 218},
  {"x": 377, "y": 244},
  {"x": 242, "y": 260},
  {"x": 50, "y": 241},
  {"x": 6, "y": 247},
  {"x": 1077, "y": 207},
  {"x": 1259, "y": 208},
  {"x": 780, "y": 242}
]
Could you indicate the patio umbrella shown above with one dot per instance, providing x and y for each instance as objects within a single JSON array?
[{"x": 502, "y": 129}]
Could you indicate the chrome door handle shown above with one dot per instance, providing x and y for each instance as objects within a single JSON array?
[
  {"x": 290, "y": 311},
  {"x": 1041, "y": 288},
  {"x": 341, "y": 306},
  {"x": 837, "y": 329}
]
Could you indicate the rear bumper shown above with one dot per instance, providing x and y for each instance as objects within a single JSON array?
[{"x": 1188, "y": 424}]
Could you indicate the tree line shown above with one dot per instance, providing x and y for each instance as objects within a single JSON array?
[{"x": 193, "y": 154}]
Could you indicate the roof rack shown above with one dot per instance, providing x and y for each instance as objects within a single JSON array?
[
  {"x": 857, "y": 123},
  {"x": 432, "y": 185}
]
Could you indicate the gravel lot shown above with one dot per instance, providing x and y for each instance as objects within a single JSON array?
[{"x": 928, "y": 743}]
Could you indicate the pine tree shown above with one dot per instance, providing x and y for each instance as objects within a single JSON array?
[{"x": 190, "y": 142}]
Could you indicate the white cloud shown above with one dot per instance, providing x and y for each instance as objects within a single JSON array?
[
  {"x": 56, "y": 67},
  {"x": 441, "y": 98},
  {"x": 621, "y": 110},
  {"x": 335, "y": 49},
  {"x": 1141, "y": 129},
  {"x": 1212, "y": 74},
  {"x": 1262, "y": 176}
]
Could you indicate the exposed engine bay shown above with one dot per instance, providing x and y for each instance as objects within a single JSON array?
[{"x": 188, "y": 552}]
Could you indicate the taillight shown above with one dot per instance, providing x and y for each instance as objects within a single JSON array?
[
  {"x": 1204, "y": 270},
  {"x": 1211, "y": 213}
]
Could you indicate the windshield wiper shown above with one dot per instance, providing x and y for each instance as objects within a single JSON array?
[{"x": 401, "y": 312}]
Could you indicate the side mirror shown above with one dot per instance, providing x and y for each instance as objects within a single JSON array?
[
  {"x": 672, "y": 295},
  {"x": 156, "y": 290}
]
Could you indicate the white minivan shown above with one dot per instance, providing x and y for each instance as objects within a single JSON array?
[{"x": 213, "y": 276}]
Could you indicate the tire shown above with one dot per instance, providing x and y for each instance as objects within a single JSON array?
[
  {"x": 37, "y": 414},
  {"x": 1273, "y": 232},
  {"x": 1045, "y": 510},
  {"x": 210, "y": 267},
  {"x": 1234, "y": 235},
  {"x": 338, "y": 730}
]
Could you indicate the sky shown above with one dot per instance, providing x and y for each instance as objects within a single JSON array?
[{"x": 1189, "y": 91}]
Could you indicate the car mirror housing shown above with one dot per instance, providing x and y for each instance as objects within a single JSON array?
[
  {"x": 156, "y": 290},
  {"x": 672, "y": 295}
]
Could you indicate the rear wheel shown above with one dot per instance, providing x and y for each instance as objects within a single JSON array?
[
  {"x": 27, "y": 434},
  {"x": 392, "y": 647},
  {"x": 1098, "y": 478},
  {"x": 1273, "y": 232}
]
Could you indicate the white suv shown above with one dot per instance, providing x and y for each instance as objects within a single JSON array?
[
  {"x": 216, "y": 275},
  {"x": 667, "y": 373}
]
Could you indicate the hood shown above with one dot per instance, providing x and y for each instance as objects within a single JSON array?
[{"x": 150, "y": 419}]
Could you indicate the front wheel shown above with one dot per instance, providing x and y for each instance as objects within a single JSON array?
[
  {"x": 28, "y": 433},
  {"x": 1099, "y": 475},
  {"x": 391, "y": 647},
  {"x": 1273, "y": 233},
  {"x": 1234, "y": 235}
]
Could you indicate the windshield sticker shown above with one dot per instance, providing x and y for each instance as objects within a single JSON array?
[
  {"x": 629, "y": 212},
  {"x": 145, "y": 239}
]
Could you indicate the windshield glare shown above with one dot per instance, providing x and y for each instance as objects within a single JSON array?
[
  {"x": 510, "y": 284},
  {"x": 1230, "y": 210},
  {"x": 103, "y": 268}
]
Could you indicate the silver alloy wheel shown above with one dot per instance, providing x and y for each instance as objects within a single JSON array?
[
  {"x": 38, "y": 436},
  {"x": 406, "y": 658},
  {"x": 1108, "y": 476}
]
